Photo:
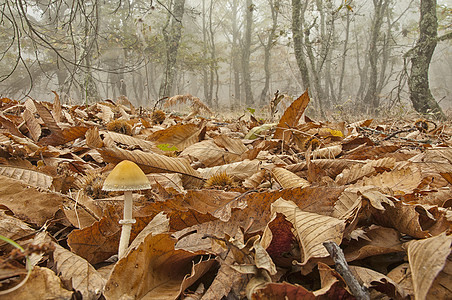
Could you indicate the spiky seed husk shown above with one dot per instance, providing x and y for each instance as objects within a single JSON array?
[
  {"x": 120, "y": 126},
  {"x": 158, "y": 117},
  {"x": 219, "y": 179},
  {"x": 91, "y": 184}
]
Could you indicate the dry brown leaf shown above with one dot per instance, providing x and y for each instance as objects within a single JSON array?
[
  {"x": 159, "y": 224},
  {"x": 332, "y": 287},
  {"x": 311, "y": 229},
  {"x": 288, "y": 179},
  {"x": 56, "y": 112},
  {"x": 442, "y": 285},
  {"x": 291, "y": 117},
  {"x": 359, "y": 171},
  {"x": 78, "y": 273},
  {"x": 371, "y": 152},
  {"x": 283, "y": 291},
  {"x": 93, "y": 139},
  {"x": 257, "y": 213},
  {"x": 332, "y": 167},
  {"x": 30, "y": 177},
  {"x": 13, "y": 228},
  {"x": 363, "y": 123},
  {"x": 398, "y": 182},
  {"x": 438, "y": 154},
  {"x": 181, "y": 136},
  {"x": 47, "y": 117},
  {"x": 378, "y": 240},
  {"x": 239, "y": 170},
  {"x": 29, "y": 145},
  {"x": 34, "y": 128},
  {"x": 427, "y": 258},
  {"x": 263, "y": 259},
  {"x": 166, "y": 180},
  {"x": 106, "y": 114},
  {"x": 82, "y": 211},
  {"x": 348, "y": 204},
  {"x": 152, "y": 270},
  {"x": 216, "y": 202},
  {"x": 151, "y": 163},
  {"x": 227, "y": 279},
  {"x": 402, "y": 276},
  {"x": 42, "y": 284},
  {"x": 327, "y": 152},
  {"x": 123, "y": 139},
  {"x": 332, "y": 284},
  {"x": 10, "y": 126},
  {"x": 255, "y": 180},
  {"x": 376, "y": 198},
  {"x": 99, "y": 241},
  {"x": 413, "y": 219},
  {"x": 209, "y": 154},
  {"x": 235, "y": 146},
  {"x": 29, "y": 204},
  {"x": 193, "y": 238},
  {"x": 378, "y": 281},
  {"x": 198, "y": 270},
  {"x": 64, "y": 136}
]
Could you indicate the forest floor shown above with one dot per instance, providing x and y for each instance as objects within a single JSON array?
[{"x": 238, "y": 208}]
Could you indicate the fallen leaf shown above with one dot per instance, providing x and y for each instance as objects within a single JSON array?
[{"x": 427, "y": 258}]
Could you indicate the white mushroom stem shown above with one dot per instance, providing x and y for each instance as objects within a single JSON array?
[{"x": 126, "y": 224}]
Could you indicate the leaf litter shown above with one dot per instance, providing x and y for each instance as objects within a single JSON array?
[{"x": 238, "y": 209}]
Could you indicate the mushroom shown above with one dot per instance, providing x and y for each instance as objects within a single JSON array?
[{"x": 127, "y": 177}]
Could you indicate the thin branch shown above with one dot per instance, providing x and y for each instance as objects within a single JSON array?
[{"x": 342, "y": 268}]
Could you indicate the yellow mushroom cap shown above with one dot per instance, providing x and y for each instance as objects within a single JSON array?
[{"x": 126, "y": 176}]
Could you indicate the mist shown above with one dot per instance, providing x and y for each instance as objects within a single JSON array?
[{"x": 231, "y": 54}]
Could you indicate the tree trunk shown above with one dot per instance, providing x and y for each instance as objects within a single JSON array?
[
  {"x": 298, "y": 10},
  {"x": 235, "y": 54},
  {"x": 214, "y": 76},
  {"x": 274, "y": 6},
  {"x": 371, "y": 99},
  {"x": 206, "y": 75},
  {"x": 172, "y": 38},
  {"x": 344, "y": 57},
  {"x": 246, "y": 52},
  {"x": 421, "y": 55}
]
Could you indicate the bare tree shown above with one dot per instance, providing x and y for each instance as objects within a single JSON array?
[
  {"x": 268, "y": 45},
  {"x": 172, "y": 32},
  {"x": 421, "y": 56},
  {"x": 371, "y": 98},
  {"x": 298, "y": 19},
  {"x": 246, "y": 52},
  {"x": 210, "y": 74}
]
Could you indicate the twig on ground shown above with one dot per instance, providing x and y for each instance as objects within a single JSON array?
[
  {"x": 342, "y": 268},
  {"x": 393, "y": 135}
]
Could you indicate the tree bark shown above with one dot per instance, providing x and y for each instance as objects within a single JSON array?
[
  {"x": 298, "y": 10},
  {"x": 421, "y": 55},
  {"x": 172, "y": 38},
  {"x": 246, "y": 52},
  {"x": 344, "y": 56},
  {"x": 371, "y": 99},
  {"x": 274, "y": 6},
  {"x": 235, "y": 54}
]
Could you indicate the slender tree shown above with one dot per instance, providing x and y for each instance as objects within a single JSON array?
[
  {"x": 268, "y": 45},
  {"x": 421, "y": 56},
  {"x": 246, "y": 52},
  {"x": 298, "y": 18},
  {"x": 371, "y": 98},
  {"x": 172, "y": 33}
]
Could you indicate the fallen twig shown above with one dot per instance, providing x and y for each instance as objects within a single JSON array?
[{"x": 342, "y": 268}]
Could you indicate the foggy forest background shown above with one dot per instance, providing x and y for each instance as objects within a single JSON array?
[{"x": 354, "y": 56}]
